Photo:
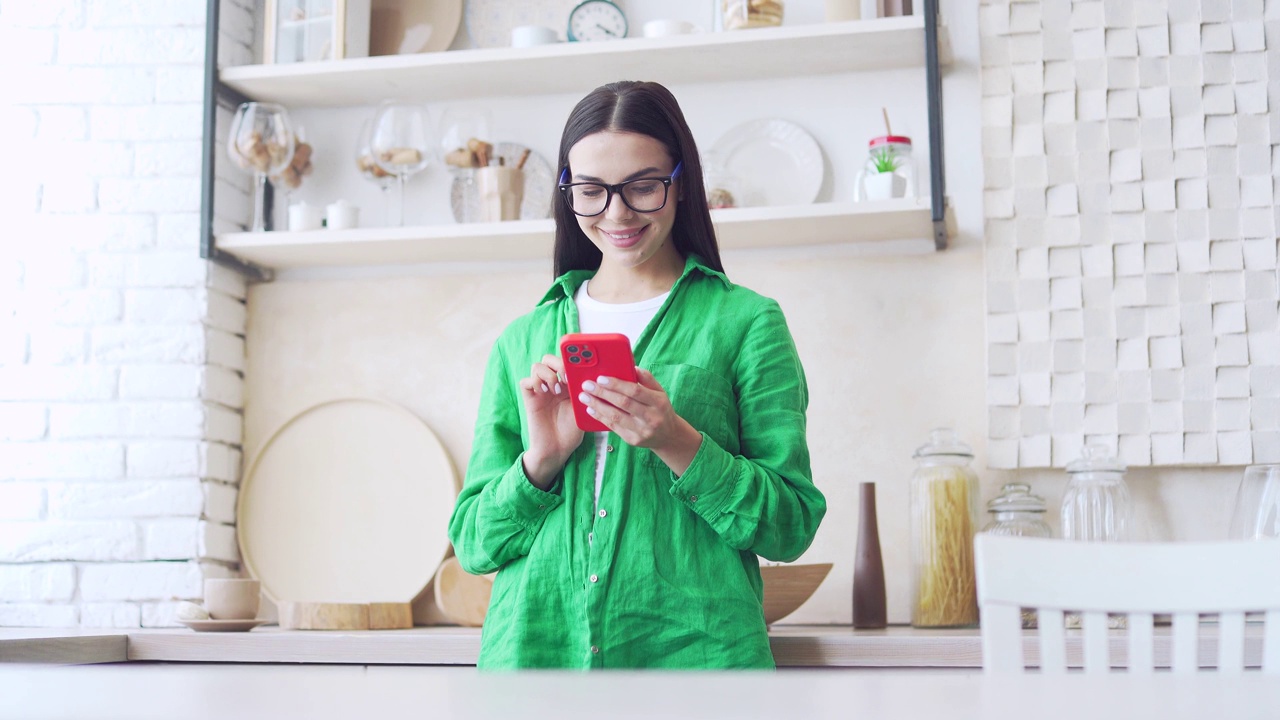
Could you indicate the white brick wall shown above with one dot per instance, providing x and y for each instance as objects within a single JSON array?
[{"x": 121, "y": 351}]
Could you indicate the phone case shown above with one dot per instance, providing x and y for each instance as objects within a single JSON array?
[{"x": 587, "y": 356}]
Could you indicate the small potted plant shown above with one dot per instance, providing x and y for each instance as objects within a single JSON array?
[{"x": 881, "y": 181}]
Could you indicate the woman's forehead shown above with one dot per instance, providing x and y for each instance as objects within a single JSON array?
[{"x": 613, "y": 149}]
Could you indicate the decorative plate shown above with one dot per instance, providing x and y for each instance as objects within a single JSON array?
[{"x": 778, "y": 159}]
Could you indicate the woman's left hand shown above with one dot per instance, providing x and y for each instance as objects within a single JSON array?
[{"x": 641, "y": 414}]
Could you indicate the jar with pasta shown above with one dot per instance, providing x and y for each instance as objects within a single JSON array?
[
  {"x": 944, "y": 517},
  {"x": 740, "y": 14}
]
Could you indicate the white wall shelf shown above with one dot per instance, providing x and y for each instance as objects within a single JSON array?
[
  {"x": 762, "y": 53},
  {"x": 758, "y": 227}
]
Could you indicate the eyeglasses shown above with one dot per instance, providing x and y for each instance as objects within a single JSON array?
[{"x": 643, "y": 195}]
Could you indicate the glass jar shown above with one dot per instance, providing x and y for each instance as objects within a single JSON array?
[
  {"x": 944, "y": 501},
  {"x": 739, "y": 14},
  {"x": 1095, "y": 505},
  {"x": 1017, "y": 512},
  {"x": 888, "y": 172}
]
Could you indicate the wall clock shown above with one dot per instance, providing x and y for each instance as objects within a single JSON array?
[{"x": 597, "y": 20}]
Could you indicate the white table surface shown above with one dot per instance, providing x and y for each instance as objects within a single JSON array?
[{"x": 139, "y": 691}]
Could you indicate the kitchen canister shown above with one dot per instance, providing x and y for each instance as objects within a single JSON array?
[
  {"x": 1095, "y": 505},
  {"x": 944, "y": 500}
]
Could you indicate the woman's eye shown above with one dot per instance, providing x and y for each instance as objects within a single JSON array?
[
  {"x": 591, "y": 192},
  {"x": 645, "y": 188}
]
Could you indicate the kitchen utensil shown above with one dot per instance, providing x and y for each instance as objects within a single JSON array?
[
  {"x": 1256, "y": 512},
  {"x": 347, "y": 501},
  {"x": 461, "y": 596},
  {"x": 944, "y": 500},
  {"x": 501, "y": 190},
  {"x": 1095, "y": 504},
  {"x": 341, "y": 215},
  {"x": 232, "y": 598},
  {"x": 787, "y": 587},
  {"x": 779, "y": 160},
  {"x": 539, "y": 185},
  {"x": 304, "y": 216},
  {"x": 222, "y": 625},
  {"x": 345, "y": 616},
  {"x": 400, "y": 27},
  {"x": 1017, "y": 512}
]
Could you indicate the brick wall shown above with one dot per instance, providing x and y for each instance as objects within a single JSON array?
[{"x": 121, "y": 350}]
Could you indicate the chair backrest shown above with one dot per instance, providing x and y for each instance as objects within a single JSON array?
[{"x": 1137, "y": 580}]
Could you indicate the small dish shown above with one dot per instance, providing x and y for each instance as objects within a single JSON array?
[
  {"x": 223, "y": 625},
  {"x": 401, "y": 27}
]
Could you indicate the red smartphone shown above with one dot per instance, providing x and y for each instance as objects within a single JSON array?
[{"x": 587, "y": 356}]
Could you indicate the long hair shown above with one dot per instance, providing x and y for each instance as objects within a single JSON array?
[{"x": 644, "y": 108}]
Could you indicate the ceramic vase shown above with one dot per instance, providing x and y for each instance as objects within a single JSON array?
[{"x": 868, "y": 565}]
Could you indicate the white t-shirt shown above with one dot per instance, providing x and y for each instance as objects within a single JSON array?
[{"x": 629, "y": 319}]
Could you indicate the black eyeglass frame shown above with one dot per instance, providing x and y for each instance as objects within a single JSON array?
[{"x": 611, "y": 190}]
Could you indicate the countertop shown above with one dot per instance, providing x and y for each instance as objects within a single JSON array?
[{"x": 793, "y": 646}]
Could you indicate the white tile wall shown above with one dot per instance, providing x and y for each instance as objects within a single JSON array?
[
  {"x": 120, "y": 366},
  {"x": 1148, "y": 133}
]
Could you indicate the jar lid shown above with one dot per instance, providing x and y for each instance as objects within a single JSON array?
[
  {"x": 1096, "y": 458},
  {"x": 1016, "y": 497},
  {"x": 886, "y": 139},
  {"x": 943, "y": 441}
]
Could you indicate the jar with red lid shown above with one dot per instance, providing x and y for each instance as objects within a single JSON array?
[{"x": 889, "y": 171}]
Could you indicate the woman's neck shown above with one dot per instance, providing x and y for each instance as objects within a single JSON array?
[{"x": 613, "y": 284}]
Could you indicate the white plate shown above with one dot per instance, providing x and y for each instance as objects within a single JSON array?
[
  {"x": 412, "y": 26},
  {"x": 223, "y": 625},
  {"x": 489, "y": 22},
  {"x": 539, "y": 185},
  {"x": 778, "y": 160},
  {"x": 348, "y": 501}
]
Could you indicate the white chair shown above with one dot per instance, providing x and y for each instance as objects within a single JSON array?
[{"x": 1137, "y": 580}]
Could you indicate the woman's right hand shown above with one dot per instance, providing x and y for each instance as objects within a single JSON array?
[{"x": 553, "y": 432}]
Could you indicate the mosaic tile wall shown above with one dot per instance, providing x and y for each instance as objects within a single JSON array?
[{"x": 1132, "y": 197}]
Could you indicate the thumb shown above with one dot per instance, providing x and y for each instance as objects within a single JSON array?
[{"x": 647, "y": 379}]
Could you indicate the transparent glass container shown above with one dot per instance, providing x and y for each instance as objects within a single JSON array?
[
  {"x": 944, "y": 502},
  {"x": 741, "y": 14},
  {"x": 1017, "y": 512},
  {"x": 1095, "y": 505},
  {"x": 888, "y": 172}
]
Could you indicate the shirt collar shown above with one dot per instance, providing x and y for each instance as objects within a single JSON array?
[{"x": 567, "y": 284}]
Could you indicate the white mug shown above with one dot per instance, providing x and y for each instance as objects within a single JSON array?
[
  {"x": 342, "y": 215},
  {"x": 667, "y": 28},
  {"x": 530, "y": 35},
  {"x": 305, "y": 217}
]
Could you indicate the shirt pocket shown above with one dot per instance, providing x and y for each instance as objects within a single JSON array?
[{"x": 703, "y": 398}]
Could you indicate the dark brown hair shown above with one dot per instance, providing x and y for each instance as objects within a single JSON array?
[{"x": 644, "y": 108}]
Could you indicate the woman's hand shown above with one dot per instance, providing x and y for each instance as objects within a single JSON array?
[
  {"x": 553, "y": 433},
  {"x": 641, "y": 414}
]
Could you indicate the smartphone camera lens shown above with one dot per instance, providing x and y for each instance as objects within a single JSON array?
[
  {"x": 572, "y": 348},
  {"x": 586, "y": 353},
  {"x": 574, "y": 359}
]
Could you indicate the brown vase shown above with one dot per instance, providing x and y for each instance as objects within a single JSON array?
[{"x": 868, "y": 565}]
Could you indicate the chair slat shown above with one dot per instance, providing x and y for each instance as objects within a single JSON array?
[
  {"x": 1231, "y": 643},
  {"x": 1141, "y": 644},
  {"x": 1271, "y": 643},
  {"x": 1096, "y": 658},
  {"x": 1002, "y": 630},
  {"x": 1053, "y": 643},
  {"x": 1186, "y": 660}
]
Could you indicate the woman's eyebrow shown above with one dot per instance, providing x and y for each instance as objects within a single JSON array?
[{"x": 649, "y": 171}]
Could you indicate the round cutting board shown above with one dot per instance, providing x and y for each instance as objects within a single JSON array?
[{"x": 347, "y": 502}]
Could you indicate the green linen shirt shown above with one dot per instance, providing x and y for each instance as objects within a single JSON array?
[{"x": 664, "y": 572}]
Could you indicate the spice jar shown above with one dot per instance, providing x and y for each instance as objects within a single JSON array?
[
  {"x": 1017, "y": 512},
  {"x": 944, "y": 500},
  {"x": 1095, "y": 505},
  {"x": 739, "y": 14}
]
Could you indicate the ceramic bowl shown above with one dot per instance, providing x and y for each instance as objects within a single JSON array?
[{"x": 787, "y": 587}]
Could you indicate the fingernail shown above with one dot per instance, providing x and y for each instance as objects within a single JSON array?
[
  {"x": 588, "y": 386},
  {"x": 544, "y": 387},
  {"x": 602, "y": 380},
  {"x": 585, "y": 398},
  {"x": 557, "y": 388},
  {"x": 591, "y": 412}
]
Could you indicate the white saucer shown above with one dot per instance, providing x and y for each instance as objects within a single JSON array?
[{"x": 222, "y": 625}]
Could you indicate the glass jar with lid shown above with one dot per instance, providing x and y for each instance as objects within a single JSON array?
[
  {"x": 1095, "y": 505},
  {"x": 740, "y": 14},
  {"x": 944, "y": 501},
  {"x": 888, "y": 172},
  {"x": 1017, "y": 512}
]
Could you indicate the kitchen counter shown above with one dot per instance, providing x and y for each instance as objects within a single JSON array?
[{"x": 793, "y": 646}]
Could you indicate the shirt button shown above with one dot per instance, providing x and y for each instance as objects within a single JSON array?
[
  {"x": 595, "y": 578},
  {"x": 693, "y": 498},
  {"x": 608, "y": 448},
  {"x": 595, "y": 650},
  {"x": 542, "y": 507},
  {"x": 603, "y": 513}
]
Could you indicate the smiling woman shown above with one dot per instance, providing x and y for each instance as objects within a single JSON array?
[{"x": 640, "y": 546}]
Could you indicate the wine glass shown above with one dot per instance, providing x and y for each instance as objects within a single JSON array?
[
  {"x": 401, "y": 144},
  {"x": 1256, "y": 513},
  {"x": 369, "y": 167},
  {"x": 458, "y": 128},
  {"x": 260, "y": 142}
]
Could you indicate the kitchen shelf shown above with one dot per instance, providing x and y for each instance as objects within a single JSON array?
[
  {"x": 761, "y": 53},
  {"x": 757, "y": 227}
]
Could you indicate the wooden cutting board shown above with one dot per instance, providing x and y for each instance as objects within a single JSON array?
[
  {"x": 345, "y": 616},
  {"x": 461, "y": 596}
]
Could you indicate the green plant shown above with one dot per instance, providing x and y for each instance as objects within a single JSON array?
[{"x": 884, "y": 160}]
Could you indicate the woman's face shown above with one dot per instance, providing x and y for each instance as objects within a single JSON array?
[{"x": 625, "y": 237}]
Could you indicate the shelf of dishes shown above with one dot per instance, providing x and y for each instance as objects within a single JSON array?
[
  {"x": 759, "y": 53},
  {"x": 905, "y": 222}
]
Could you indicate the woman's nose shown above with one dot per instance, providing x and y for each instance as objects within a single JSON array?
[{"x": 617, "y": 208}]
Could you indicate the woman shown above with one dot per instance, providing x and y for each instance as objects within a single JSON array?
[{"x": 638, "y": 547}]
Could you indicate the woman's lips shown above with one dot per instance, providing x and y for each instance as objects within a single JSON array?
[{"x": 623, "y": 238}]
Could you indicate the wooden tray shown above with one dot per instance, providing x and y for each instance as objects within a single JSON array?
[{"x": 345, "y": 616}]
